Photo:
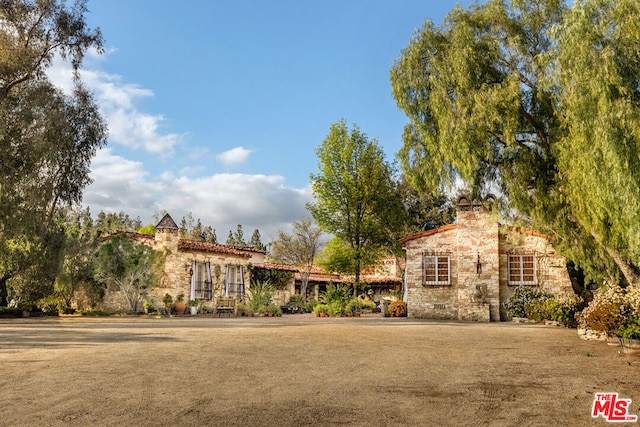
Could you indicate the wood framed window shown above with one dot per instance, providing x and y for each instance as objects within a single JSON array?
[
  {"x": 436, "y": 269},
  {"x": 522, "y": 269},
  {"x": 203, "y": 285},
  {"x": 234, "y": 281}
]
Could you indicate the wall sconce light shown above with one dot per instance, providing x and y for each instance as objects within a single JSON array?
[{"x": 479, "y": 265}]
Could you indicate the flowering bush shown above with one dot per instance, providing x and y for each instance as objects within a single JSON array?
[
  {"x": 516, "y": 305},
  {"x": 614, "y": 311},
  {"x": 398, "y": 309}
]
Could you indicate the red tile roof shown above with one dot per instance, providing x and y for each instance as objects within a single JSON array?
[{"x": 192, "y": 245}]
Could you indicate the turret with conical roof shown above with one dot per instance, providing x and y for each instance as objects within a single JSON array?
[{"x": 167, "y": 233}]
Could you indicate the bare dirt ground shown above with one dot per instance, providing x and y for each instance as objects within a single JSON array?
[{"x": 299, "y": 370}]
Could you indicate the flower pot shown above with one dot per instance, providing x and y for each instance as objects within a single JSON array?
[
  {"x": 180, "y": 307},
  {"x": 194, "y": 310}
]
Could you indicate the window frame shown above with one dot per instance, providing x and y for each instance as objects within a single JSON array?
[
  {"x": 522, "y": 272},
  {"x": 437, "y": 262}
]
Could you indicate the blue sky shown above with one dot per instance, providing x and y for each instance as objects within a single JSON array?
[{"x": 217, "y": 107}]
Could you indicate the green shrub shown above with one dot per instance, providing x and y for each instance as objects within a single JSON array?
[
  {"x": 558, "y": 309},
  {"x": 321, "y": 308},
  {"x": 274, "y": 310},
  {"x": 516, "y": 305},
  {"x": 296, "y": 301},
  {"x": 260, "y": 294},
  {"x": 398, "y": 309},
  {"x": 309, "y": 307}
]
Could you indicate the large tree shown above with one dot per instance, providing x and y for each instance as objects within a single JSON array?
[
  {"x": 355, "y": 193},
  {"x": 494, "y": 96},
  {"x": 47, "y": 137},
  {"x": 131, "y": 267},
  {"x": 298, "y": 248}
]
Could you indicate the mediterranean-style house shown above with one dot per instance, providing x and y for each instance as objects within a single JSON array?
[
  {"x": 468, "y": 270},
  {"x": 197, "y": 270},
  {"x": 208, "y": 271}
]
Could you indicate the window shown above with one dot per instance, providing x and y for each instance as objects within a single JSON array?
[
  {"x": 522, "y": 269},
  {"x": 234, "y": 281},
  {"x": 203, "y": 285},
  {"x": 437, "y": 270}
]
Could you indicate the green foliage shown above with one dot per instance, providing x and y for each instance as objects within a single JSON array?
[
  {"x": 425, "y": 210},
  {"x": 398, "y": 309},
  {"x": 321, "y": 308},
  {"x": 149, "y": 230},
  {"x": 47, "y": 139},
  {"x": 279, "y": 279},
  {"x": 336, "y": 293},
  {"x": 237, "y": 238},
  {"x": 517, "y": 303},
  {"x": 355, "y": 194},
  {"x": 541, "y": 102},
  {"x": 562, "y": 310},
  {"x": 133, "y": 267},
  {"x": 256, "y": 242},
  {"x": 260, "y": 295},
  {"x": 193, "y": 229}
]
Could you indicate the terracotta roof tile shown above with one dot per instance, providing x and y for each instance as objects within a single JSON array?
[{"x": 192, "y": 245}]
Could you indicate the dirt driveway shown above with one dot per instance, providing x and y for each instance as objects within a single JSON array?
[{"x": 300, "y": 370}]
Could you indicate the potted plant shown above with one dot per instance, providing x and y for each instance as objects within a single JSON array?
[
  {"x": 148, "y": 306},
  {"x": 180, "y": 306},
  {"x": 167, "y": 300},
  {"x": 194, "y": 306},
  {"x": 321, "y": 310}
]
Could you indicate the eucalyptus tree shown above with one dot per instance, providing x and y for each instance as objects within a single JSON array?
[
  {"x": 519, "y": 96},
  {"x": 47, "y": 137},
  {"x": 355, "y": 194}
]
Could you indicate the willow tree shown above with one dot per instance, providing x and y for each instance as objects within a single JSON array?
[
  {"x": 355, "y": 193},
  {"x": 490, "y": 96},
  {"x": 598, "y": 83},
  {"x": 47, "y": 137}
]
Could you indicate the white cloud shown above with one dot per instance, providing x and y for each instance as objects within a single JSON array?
[
  {"x": 127, "y": 125},
  {"x": 234, "y": 156},
  {"x": 120, "y": 185},
  {"x": 220, "y": 200}
]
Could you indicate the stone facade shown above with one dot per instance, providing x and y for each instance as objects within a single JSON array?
[
  {"x": 477, "y": 249},
  {"x": 179, "y": 263}
]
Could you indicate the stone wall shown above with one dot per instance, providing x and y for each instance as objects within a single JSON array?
[
  {"x": 436, "y": 302},
  {"x": 551, "y": 269},
  {"x": 176, "y": 278},
  {"x": 477, "y": 293}
]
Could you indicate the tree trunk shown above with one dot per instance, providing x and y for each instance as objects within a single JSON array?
[
  {"x": 626, "y": 268},
  {"x": 3, "y": 290}
]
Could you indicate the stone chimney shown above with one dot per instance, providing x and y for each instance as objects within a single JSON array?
[{"x": 478, "y": 260}]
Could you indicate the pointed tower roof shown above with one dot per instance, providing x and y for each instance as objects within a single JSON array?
[{"x": 167, "y": 223}]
